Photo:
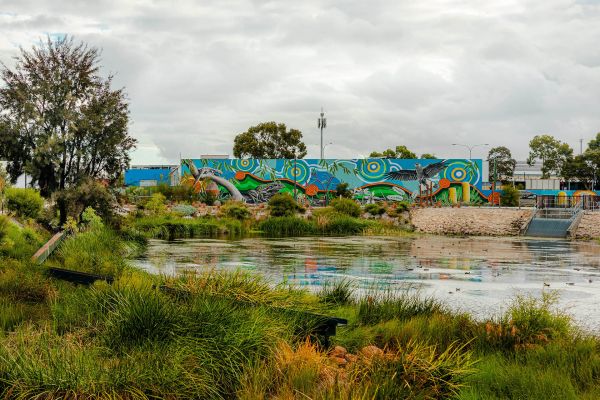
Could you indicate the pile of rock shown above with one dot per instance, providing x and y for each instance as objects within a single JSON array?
[
  {"x": 484, "y": 221},
  {"x": 340, "y": 356}
]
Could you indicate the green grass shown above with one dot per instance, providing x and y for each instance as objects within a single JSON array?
[
  {"x": 222, "y": 335},
  {"x": 99, "y": 251}
]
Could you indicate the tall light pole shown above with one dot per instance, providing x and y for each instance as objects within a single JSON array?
[
  {"x": 322, "y": 124},
  {"x": 470, "y": 147}
]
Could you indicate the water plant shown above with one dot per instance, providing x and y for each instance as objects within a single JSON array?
[{"x": 286, "y": 226}]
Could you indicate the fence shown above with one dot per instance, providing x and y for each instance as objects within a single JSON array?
[{"x": 585, "y": 202}]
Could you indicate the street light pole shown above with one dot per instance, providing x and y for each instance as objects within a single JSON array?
[
  {"x": 322, "y": 124},
  {"x": 470, "y": 147}
]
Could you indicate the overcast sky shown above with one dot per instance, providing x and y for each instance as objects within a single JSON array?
[{"x": 421, "y": 73}]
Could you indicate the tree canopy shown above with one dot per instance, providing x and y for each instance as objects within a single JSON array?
[
  {"x": 269, "y": 140},
  {"x": 501, "y": 158},
  {"x": 428, "y": 156},
  {"x": 552, "y": 153},
  {"x": 399, "y": 152},
  {"x": 60, "y": 121},
  {"x": 594, "y": 144},
  {"x": 584, "y": 167}
]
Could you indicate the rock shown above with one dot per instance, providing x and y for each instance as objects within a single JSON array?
[
  {"x": 338, "y": 351},
  {"x": 470, "y": 220},
  {"x": 351, "y": 357},
  {"x": 340, "y": 361},
  {"x": 371, "y": 351}
]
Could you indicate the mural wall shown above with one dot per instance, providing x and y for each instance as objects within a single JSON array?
[{"x": 314, "y": 182}]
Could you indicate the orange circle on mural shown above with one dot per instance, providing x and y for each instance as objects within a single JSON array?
[
  {"x": 239, "y": 175},
  {"x": 311, "y": 190},
  {"x": 444, "y": 183}
]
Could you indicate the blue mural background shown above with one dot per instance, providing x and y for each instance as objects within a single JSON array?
[{"x": 365, "y": 177}]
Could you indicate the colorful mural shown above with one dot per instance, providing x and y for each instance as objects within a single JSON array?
[{"x": 314, "y": 181}]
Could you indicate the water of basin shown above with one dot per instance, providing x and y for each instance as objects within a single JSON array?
[{"x": 478, "y": 275}]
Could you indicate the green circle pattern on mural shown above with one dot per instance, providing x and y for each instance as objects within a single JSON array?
[
  {"x": 245, "y": 165},
  {"x": 300, "y": 172},
  {"x": 373, "y": 170},
  {"x": 461, "y": 171}
]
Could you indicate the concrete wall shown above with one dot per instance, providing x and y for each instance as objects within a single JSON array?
[
  {"x": 589, "y": 226},
  {"x": 470, "y": 220}
]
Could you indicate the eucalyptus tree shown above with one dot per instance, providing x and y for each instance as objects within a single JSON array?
[{"x": 60, "y": 120}]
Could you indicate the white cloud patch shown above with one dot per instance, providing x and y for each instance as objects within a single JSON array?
[{"x": 423, "y": 74}]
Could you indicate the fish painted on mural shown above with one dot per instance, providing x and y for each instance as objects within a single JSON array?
[{"x": 263, "y": 193}]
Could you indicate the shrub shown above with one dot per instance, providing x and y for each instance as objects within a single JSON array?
[
  {"x": 91, "y": 219},
  {"x": 184, "y": 210},
  {"x": 24, "y": 202},
  {"x": 88, "y": 193},
  {"x": 3, "y": 227},
  {"x": 235, "y": 210},
  {"x": 20, "y": 243},
  {"x": 208, "y": 197},
  {"x": 341, "y": 190},
  {"x": 283, "y": 205},
  {"x": 510, "y": 196},
  {"x": 396, "y": 209},
  {"x": 375, "y": 209},
  {"x": 156, "y": 204},
  {"x": 346, "y": 206},
  {"x": 183, "y": 193}
]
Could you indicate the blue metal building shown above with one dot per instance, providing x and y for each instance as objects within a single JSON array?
[{"x": 151, "y": 175}]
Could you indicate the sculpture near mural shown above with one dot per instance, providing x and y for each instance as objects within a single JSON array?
[{"x": 370, "y": 180}]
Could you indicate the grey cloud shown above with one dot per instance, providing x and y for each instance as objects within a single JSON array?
[{"x": 424, "y": 74}]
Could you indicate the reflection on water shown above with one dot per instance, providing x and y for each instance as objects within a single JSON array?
[{"x": 477, "y": 274}]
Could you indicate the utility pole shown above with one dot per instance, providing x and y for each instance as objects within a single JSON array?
[
  {"x": 322, "y": 124},
  {"x": 580, "y": 146},
  {"x": 295, "y": 174}
]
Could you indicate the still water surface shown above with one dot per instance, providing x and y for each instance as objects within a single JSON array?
[{"x": 479, "y": 275}]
